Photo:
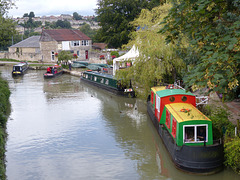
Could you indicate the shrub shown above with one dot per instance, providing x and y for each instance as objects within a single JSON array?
[{"x": 232, "y": 154}]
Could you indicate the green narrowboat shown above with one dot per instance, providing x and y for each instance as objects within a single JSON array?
[
  {"x": 185, "y": 131},
  {"x": 107, "y": 82}
]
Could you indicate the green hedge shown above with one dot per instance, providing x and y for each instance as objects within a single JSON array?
[{"x": 4, "y": 105}]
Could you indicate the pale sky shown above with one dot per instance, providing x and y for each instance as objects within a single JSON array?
[{"x": 53, "y": 7}]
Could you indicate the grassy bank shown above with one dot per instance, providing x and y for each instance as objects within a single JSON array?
[{"x": 4, "y": 106}]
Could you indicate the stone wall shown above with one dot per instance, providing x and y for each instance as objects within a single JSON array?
[
  {"x": 47, "y": 48},
  {"x": 25, "y": 56}
]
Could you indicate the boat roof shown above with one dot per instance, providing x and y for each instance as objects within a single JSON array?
[
  {"x": 100, "y": 74},
  {"x": 185, "y": 112},
  {"x": 158, "y": 88},
  {"x": 170, "y": 92},
  {"x": 20, "y": 64}
]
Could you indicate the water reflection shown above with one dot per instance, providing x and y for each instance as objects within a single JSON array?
[{"x": 63, "y": 128}]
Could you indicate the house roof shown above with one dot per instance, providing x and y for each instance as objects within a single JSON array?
[
  {"x": 99, "y": 45},
  {"x": 32, "y": 41},
  {"x": 66, "y": 34}
]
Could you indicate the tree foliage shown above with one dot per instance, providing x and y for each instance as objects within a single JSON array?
[
  {"x": 114, "y": 17},
  {"x": 213, "y": 32},
  {"x": 232, "y": 154},
  {"x": 157, "y": 62},
  {"x": 5, "y": 5},
  {"x": 65, "y": 55},
  {"x": 76, "y": 16},
  {"x": 7, "y": 31},
  {"x": 86, "y": 29}
]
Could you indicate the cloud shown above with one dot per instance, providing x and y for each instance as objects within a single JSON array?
[{"x": 53, "y": 7}]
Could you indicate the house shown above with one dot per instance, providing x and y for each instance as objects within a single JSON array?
[
  {"x": 28, "y": 49},
  {"x": 53, "y": 41},
  {"x": 99, "y": 46}
]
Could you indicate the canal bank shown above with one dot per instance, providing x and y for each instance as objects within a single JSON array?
[{"x": 4, "y": 107}]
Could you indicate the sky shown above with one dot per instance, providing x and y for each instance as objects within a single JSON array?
[{"x": 53, "y": 7}]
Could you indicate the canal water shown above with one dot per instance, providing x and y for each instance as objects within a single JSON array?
[{"x": 64, "y": 129}]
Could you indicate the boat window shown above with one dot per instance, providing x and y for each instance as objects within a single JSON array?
[
  {"x": 184, "y": 98},
  {"x": 107, "y": 81},
  {"x": 95, "y": 78},
  {"x": 189, "y": 134},
  {"x": 102, "y": 80},
  {"x": 172, "y": 99},
  {"x": 201, "y": 133},
  {"x": 87, "y": 76},
  {"x": 196, "y": 133}
]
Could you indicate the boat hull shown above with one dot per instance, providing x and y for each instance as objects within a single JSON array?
[
  {"x": 50, "y": 75},
  {"x": 110, "y": 89},
  {"x": 192, "y": 159}
]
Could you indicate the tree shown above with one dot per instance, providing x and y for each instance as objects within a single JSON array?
[
  {"x": 63, "y": 24},
  {"x": 212, "y": 29},
  {"x": 76, "y": 16},
  {"x": 7, "y": 29},
  {"x": 5, "y": 5},
  {"x": 31, "y": 14},
  {"x": 157, "y": 62},
  {"x": 86, "y": 29},
  {"x": 65, "y": 56},
  {"x": 25, "y": 15},
  {"x": 114, "y": 17}
]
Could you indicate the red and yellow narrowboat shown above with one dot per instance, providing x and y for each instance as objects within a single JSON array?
[{"x": 185, "y": 131}]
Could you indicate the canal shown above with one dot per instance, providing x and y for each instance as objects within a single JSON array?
[{"x": 62, "y": 129}]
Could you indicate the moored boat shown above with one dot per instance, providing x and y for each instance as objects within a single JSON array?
[
  {"x": 187, "y": 133},
  {"x": 108, "y": 82},
  {"x": 53, "y": 71},
  {"x": 20, "y": 68}
]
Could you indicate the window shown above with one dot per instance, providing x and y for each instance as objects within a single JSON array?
[
  {"x": 85, "y": 43},
  {"x": 87, "y": 76},
  {"x": 75, "y": 43},
  {"x": 102, "y": 80},
  {"x": 168, "y": 119},
  {"x": 172, "y": 99},
  {"x": 78, "y": 53},
  {"x": 184, "y": 98},
  {"x": 107, "y": 82},
  {"x": 157, "y": 103},
  {"x": 53, "y": 55},
  {"x": 195, "y": 133},
  {"x": 95, "y": 78}
]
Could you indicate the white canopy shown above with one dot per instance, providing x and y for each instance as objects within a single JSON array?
[{"x": 130, "y": 55}]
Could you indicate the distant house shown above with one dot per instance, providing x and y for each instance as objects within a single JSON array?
[
  {"x": 28, "y": 49},
  {"x": 99, "y": 46},
  {"x": 56, "y": 40}
]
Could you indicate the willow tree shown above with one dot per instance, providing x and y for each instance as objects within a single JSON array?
[{"x": 157, "y": 62}]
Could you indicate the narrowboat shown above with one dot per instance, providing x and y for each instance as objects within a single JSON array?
[
  {"x": 108, "y": 82},
  {"x": 186, "y": 132},
  {"x": 20, "y": 68},
  {"x": 53, "y": 71}
]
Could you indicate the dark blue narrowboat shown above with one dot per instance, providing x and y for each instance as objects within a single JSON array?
[{"x": 20, "y": 68}]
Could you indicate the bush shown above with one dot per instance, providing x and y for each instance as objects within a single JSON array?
[
  {"x": 221, "y": 124},
  {"x": 232, "y": 154},
  {"x": 4, "y": 105}
]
